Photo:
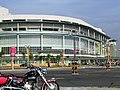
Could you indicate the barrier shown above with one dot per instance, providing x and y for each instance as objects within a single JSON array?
[
  {"x": 107, "y": 65},
  {"x": 75, "y": 68}
]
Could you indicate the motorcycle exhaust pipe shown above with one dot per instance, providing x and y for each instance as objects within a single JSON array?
[{"x": 14, "y": 88}]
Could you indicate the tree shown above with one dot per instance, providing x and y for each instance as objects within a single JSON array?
[
  {"x": 58, "y": 58},
  {"x": 23, "y": 55},
  {"x": 37, "y": 57},
  {"x": 31, "y": 57},
  {"x": 1, "y": 56},
  {"x": 40, "y": 58},
  {"x": 48, "y": 59}
]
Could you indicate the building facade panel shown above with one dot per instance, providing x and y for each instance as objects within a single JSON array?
[{"x": 42, "y": 32}]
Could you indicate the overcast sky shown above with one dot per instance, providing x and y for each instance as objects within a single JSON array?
[{"x": 104, "y": 14}]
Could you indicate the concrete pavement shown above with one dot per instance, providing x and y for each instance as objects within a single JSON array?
[
  {"x": 52, "y": 68},
  {"x": 87, "y": 88}
]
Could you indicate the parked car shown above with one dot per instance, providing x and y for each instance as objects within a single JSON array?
[{"x": 118, "y": 63}]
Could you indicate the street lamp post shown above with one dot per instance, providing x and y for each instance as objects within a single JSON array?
[
  {"x": 74, "y": 62},
  {"x": 74, "y": 50},
  {"x": 63, "y": 57},
  {"x": 74, "y": 45},
  {"x": 28, "y": 54},
  {"x": 109, "y": 51}
]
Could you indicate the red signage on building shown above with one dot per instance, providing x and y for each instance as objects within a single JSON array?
[{"x": 12, "y": 51}]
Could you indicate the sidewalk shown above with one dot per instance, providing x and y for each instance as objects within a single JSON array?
[
  {"x": 87, "y": 88},
  {"x": 86, "y": 66},
  {"x": 52, "y": 68}
]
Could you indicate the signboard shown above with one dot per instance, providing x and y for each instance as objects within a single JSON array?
[{"x": 12, "y": 51}]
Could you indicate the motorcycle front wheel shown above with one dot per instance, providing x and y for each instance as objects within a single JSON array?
[{"x": 46, "y": 87}]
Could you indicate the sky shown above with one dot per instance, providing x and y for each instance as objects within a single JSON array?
[{"x": 104, "y": 14}]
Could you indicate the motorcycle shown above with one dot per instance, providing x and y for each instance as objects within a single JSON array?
[{"x": 30, "y": 80}]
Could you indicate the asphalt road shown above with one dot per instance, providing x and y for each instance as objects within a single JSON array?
[{"x": 87, "y": 77}]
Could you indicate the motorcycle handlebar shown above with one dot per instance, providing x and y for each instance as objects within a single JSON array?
[
  {"x": 43, "y": 70},
  {"x": 31, "y": 66}
]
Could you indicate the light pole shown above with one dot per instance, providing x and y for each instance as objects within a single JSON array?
[
  {"x": 63, "y": 57},
  {"x": 109, "y": 51},
  {"x": 74, "y": 45},
  {"x": 74, "y": 49},
  {"x": 74, "y": 62},
  {"x": 28, "y": 54}
]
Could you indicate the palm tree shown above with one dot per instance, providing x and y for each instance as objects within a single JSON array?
[
  {"x": 30, "y": 56},
  {"x": 1, "y": 56},
  {"x": 40, "y": 59},
  {"x": 23, "y": 56},
  {"x": 48, "y": 59},
  {"x": 58, "y": 58},
  {"x": 37, "y": 57}
]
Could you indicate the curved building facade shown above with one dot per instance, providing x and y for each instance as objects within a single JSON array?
[{"x": 49, "y": 32}]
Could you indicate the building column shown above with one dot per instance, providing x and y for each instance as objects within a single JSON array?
[
  {"x": 18, "y": 39},
  {"x": 63, "y": 27},
  {"x": 79, "y": 45},
  {"x": 63, "y": 45},
  {"x": 88, "y": 32},
  {"x": 79, "y": 41},
  {"x": 94, "y": 34},
  {"x": 41, "y": 41},
  {"x": 63, "y": 48},
  {"x": 101, "y": 46},
  {"x": 88, "y": 46},
  {"x": 94, "y": 49}
]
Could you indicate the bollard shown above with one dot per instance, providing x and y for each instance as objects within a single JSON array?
[
  {"x": 74, "y": 68},
  {"x": 107, "y": 66}
]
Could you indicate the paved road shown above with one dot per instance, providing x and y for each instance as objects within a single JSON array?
[{"x": 87, "y": 77}]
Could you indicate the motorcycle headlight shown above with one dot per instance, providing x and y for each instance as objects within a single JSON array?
[{"x": 44, "y": 70}]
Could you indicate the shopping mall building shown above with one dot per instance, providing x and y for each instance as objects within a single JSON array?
[{"x": 75, "y": 38}]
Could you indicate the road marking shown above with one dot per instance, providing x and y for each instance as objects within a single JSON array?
[{"x": 59, "y": 78}]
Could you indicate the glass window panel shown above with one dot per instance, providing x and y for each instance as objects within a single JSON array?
[
  {"x": 8, "y": 40},
  {"x": 29, "y": 40},
  {"x": 53, "y": 41}
]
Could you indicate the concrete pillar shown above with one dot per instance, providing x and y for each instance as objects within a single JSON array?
[
  {"x": 18, "y": 38},
  {"x": 63, "y": 48},
  {"x": 41, "y": 37}
]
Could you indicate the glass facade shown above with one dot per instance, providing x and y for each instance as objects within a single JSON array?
[
  {"x": 32, "y": 39},
  {"x": 42, "y": 34},
  {"x": 52, "y": 41},
  {"x": 8, "y": 40},
  {"x": 84, "y": 46}
]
